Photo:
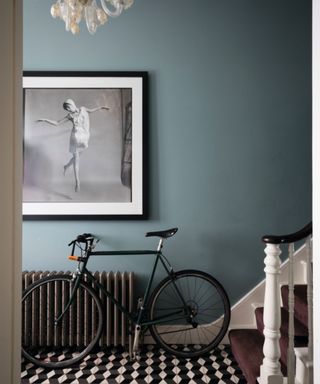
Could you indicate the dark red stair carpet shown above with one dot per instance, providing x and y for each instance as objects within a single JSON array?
[
  {"x": 301, "y": 332},
  {"x": 300, "y": 302},
  {"x": 247, "y": 344}
]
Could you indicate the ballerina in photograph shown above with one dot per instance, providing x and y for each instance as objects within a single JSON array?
[{"x": 80, "y": 133}]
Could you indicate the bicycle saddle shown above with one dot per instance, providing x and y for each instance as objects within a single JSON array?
[{"x": 164, "y": 234}]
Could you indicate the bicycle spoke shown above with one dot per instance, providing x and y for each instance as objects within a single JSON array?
[
  {"x": 62, "y": 343},
  {"x": 206, "y": 308}
]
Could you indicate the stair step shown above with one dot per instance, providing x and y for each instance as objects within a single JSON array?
[
  {"x": 300, "y": 302},
  {"x": 247, "y": 349},
  {"x": 300, "y": 330},
  {"x": 246, "y": 345},
  {"x": 300, "y": 337}
]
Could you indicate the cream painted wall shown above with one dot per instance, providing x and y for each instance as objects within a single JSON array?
[{"x": 10, "y": 189}]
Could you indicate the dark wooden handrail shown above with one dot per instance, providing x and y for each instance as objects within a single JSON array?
[{"x": 291, "y": 238}]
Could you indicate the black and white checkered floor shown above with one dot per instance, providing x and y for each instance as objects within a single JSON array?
[{"x": 114, "y": 366}]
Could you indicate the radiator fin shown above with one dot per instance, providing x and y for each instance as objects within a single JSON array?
[{"x": 79, "y": 325}]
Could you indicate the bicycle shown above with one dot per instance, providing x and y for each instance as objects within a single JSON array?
[{"x": 188, "y": 312}]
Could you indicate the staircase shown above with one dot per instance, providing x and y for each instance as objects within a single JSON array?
[
  {"x": 247, "y": 344},
  {"x": 283, "y": 334}
]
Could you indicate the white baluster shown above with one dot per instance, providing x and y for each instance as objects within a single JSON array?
[
  {"x": 310, "y": 303},
  {"x": 304, "y": 367},
  {"x": 270, "y": 372},
  {"x": 291, "y": 354}
]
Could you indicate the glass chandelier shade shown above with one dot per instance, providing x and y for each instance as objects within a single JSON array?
[{"x": 72, "y": 12}]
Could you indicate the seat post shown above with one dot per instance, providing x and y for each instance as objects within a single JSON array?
[{"x": 160, "y": 245}]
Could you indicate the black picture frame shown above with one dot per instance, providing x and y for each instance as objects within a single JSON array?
[{"x": 84, "y": 145}]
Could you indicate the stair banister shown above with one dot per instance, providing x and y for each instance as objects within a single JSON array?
[
  {"x": 291, "y": 355},
  {"x": 310, "y": 296},
  {"x": 304, "y": 356},
  {"x": 270, "y": 370}
]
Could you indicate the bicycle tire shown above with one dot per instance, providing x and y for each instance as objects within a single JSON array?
[
  {"x": 185, "y": 336},
  {"x": 65, "y": 343}
]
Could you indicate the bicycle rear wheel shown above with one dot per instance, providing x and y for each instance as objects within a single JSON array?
[
  {"x": 52, "y": 344},
  {"x": 191, "y": 311}
]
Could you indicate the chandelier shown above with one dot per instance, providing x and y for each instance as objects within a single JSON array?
[{"x": 72, "y": 12}]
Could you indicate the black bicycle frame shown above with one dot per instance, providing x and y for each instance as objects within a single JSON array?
[{"x": 138, "y": 320}]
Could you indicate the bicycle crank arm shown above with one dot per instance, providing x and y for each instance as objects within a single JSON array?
[{"x": 135, "y": 347}]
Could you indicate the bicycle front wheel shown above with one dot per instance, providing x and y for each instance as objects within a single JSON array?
[
  {"x": 191, "y": 313},
  {"x": 52, "y": 335}
]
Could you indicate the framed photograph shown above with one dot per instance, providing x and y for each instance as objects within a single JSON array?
[{"x": 84, "y": 145}]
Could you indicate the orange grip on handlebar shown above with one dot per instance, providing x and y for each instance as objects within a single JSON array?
[{"x": 74, "y": 258}]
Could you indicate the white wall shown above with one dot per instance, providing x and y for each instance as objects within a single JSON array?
[
  {"x": 316, "y": 184},
  {"x": 10, "y": 189}
]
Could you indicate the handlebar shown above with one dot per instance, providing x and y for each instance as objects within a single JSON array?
[
  {"x": 90, "y": 242},
  {"x": 86, "y": 238}
]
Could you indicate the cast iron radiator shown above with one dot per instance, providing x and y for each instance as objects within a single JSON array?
[{"x": 115, "y": 327}]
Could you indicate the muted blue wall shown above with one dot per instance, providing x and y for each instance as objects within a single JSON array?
[{"x": 229, "y": 128}]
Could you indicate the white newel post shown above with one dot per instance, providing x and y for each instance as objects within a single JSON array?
[{"x": 270, "y": 372}]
